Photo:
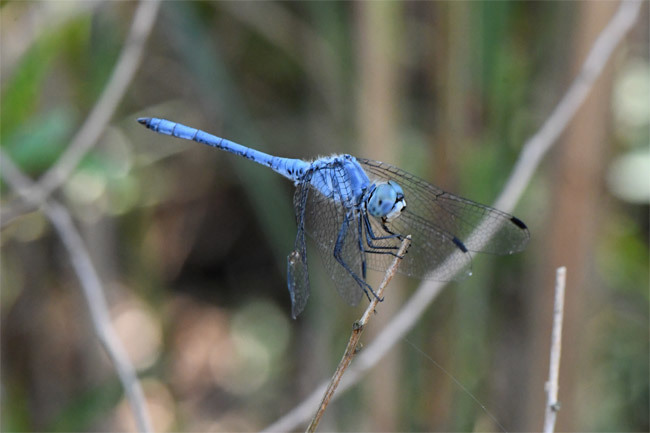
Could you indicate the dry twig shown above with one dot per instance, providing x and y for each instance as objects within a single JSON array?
[
  {"x": 552, "y": 405},
  {"x": 91, "y": 287},
  {"x": 357, "y": 330},
  {"x": 34, "y": 195},
  {"x": 99, "y": 116}
]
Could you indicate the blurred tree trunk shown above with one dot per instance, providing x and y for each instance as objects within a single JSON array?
[
  {"x": 577, "y": 194},
  {"x": 449, "y": 67},
  {"x": 378, "y": 26}
]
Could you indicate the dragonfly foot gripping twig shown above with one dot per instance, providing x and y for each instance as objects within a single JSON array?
[{"x": 357, "y": 329}]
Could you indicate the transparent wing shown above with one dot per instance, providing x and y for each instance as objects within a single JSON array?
[
  {"x": 324, "y": 218},
  {"x": 442, "y": 226},
  {"x": 297, "y": 269},
  {"x": 433, "y": 253}
]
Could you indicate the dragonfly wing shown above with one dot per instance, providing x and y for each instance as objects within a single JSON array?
[
  {"x": 442, "y": 223},
  {"x": 297, "y": 270},
  {"x": 432, "y": 254},
  {"x": 323, "y": 218}
]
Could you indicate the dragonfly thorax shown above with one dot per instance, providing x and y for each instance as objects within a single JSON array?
[{"x": 386, "y": 200}]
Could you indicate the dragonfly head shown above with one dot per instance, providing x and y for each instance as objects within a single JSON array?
[{"x": 386, "y": 200}]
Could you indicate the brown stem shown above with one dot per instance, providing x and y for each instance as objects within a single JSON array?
[{"x": 357, "y": 329}]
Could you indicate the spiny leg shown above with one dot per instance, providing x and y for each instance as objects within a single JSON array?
[
  {"x": 337, "y": 255},
  {"x": 362, "y": 250},
  {"x": 370, "y": 237}
]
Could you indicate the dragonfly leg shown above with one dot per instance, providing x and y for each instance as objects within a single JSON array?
[
  {"x": 337, "y": 255},
  {"x": 362, "y": 250},
  {"x": 374, "y": 237},
  {"x": 370, "y": 237},
  {"x": 387, "y": 230}
]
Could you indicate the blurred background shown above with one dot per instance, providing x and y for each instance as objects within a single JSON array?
[{"x": 191, "y": 243}]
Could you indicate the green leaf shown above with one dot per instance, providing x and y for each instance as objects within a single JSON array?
[
  {"x": 37, "y": 143},
  {"x": 22, "y": 92}
]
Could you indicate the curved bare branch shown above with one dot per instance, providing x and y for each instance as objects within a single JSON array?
[
  {"x": 91, "y": 287},
  {"x": 101, "y": 114}
]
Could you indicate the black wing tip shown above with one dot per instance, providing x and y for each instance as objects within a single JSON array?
[
  {"x": 460, "y": 244},
  {"x": 519, "y": 223}
]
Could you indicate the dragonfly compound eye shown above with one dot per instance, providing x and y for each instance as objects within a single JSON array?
[{"x": 386, "y": 201}]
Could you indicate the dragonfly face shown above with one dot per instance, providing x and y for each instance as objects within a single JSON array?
[{"x": 386, "y": 201}]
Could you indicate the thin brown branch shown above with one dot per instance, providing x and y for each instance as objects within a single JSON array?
[
  {"x": 357, "y": 330},
  {"x": 534, "y": 149},
  {"x": 91, "y": 287},
  {"x": 552, "y": 404},
  {"x": 100, "y": 115}
]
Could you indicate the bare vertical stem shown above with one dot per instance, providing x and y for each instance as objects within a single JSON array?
[
  {"x": 552, "y": 405},
  {"x": 357, "y": 330}
]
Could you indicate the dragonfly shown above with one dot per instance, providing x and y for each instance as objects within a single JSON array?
[{"x": 358, "y": 211}]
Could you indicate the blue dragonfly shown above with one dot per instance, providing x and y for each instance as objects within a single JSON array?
[{"x": 358, "y": 211}]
